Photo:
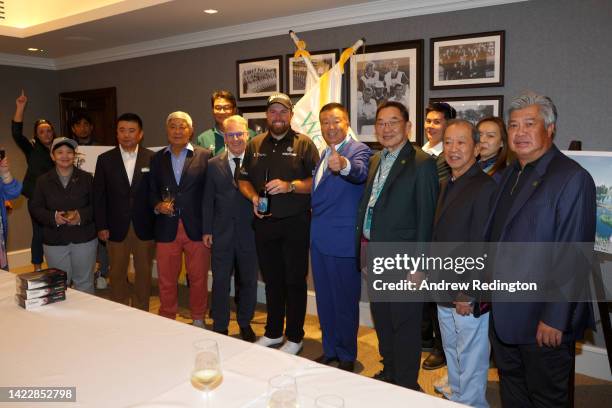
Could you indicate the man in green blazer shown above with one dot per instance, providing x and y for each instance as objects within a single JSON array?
[{"x": 398, "y": 205}]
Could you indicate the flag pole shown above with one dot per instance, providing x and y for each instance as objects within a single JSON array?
[{"x": 301, "y": 50}]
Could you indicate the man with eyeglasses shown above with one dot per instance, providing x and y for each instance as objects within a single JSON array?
[
  {"x": 228, "y": 230},
  {"x": 398, "y": 205},
  {"x": 223, "y": 106},
  {"x": 177, "y": 180}
]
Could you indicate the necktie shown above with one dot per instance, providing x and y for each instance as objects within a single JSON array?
[{"x": 236, "y": 168}]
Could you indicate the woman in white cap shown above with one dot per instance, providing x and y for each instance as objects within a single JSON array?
[{"x": 63, "y": 204}]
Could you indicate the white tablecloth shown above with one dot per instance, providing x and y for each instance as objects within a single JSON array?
[{"x": 118, "y": 356}]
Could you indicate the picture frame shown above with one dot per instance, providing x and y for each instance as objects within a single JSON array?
[
  {"x": 468, "y": 61},
  {"x": 256, "y": 117},
  {"x": 397, "y": 68},
  {"x": 259, "y": 78},
  {"x": 295, "y": 69},
  {"x": 599, "y": 165},
  {"x": 474, "y": 108}
]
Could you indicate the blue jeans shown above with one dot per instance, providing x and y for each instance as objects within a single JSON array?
[{"x": 466, "y": 345}]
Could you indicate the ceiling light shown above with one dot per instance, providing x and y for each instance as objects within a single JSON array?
[
  {"x": 211, "y": 11},
  {"x": 32, "y": 49}
]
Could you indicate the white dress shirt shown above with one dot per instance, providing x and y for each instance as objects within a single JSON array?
[{"x": 129, "y": 161}]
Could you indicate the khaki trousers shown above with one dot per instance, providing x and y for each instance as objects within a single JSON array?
[{"x": 119, "y": 258}]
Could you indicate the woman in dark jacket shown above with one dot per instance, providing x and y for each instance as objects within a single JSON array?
[
  {"x": 63, "y": 204},
  {"x": 39, "y": 162}
]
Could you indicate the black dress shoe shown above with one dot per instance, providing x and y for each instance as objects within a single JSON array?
[
  {"x": 323, "y": 359},
  {"x": 247, "y": 334},
  {"x": 435, "y": 360},
  {"x": 384, "y": 376},
  {"x": 347, "y": 366},
  {"x": 225, "y": 332}
]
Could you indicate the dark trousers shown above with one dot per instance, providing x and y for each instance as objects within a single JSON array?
[
  {"x": 282, "y": 250},
  {"x": 244, "y": 264},
  {"x": 37, "y": 242},
  {"x": 397, "y": 327},
  {"x": 430, "y": 327},
  {"x": 533, "y": 376}
]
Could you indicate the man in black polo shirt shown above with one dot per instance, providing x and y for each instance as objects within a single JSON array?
[{"x": 282, "y": 237}]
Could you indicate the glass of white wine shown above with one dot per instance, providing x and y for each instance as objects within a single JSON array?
[
  {"x": 282, "y": 392},
  {"x": 206, "y": 374},
  {"x": 168, "y": 197}
]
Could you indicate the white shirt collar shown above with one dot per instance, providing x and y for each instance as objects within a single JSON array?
[
  {"x": 125, "y": 153},
  {"x": 435, "y": 150}
]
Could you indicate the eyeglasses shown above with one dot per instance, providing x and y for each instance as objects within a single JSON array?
[
  {"x": 392, "y": 124},
  {"x": 221, "y": 108},
  {"x": 235, "y": 135}
]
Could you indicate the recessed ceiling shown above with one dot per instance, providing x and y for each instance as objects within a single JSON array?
[{"x": 83, "y": 32}]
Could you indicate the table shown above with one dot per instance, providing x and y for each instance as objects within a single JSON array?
[{"x": 117, "y": 356}]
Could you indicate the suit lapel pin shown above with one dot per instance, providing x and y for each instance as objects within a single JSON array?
[
  {"x": 403, "y": 161},
  {"x": 535, "y": 183}
]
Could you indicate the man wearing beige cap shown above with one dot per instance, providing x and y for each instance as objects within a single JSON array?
[
  {"x": 281, "y": 163},
  {"x": 177, "y": 179}
]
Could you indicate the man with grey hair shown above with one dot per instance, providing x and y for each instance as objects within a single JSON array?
[
  {"x": 464, "y": 197},
  {"x": 228, "y": 230},
  {"x": 544, "y": 196},
  {"x": 177, "y": 180}
]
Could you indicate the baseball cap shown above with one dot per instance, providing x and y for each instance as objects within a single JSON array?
[
  {"x": 282, "y": 99},
  {"x": 63, "y": 141}
]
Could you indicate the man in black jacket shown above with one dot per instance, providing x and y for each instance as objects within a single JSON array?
[{"x": 124, "y": 218}]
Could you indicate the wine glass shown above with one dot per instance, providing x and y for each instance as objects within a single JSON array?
[
  {"x": 168, "y": 197},
  {"x": 206, "y": 374},
  {"x": 329, "y": 401},
  {"x": 282, "y": 392}
]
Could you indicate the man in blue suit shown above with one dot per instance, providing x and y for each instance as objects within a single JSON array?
[
  {"x": 543, "y": 197},
  {"x": 336, "y": 191}
]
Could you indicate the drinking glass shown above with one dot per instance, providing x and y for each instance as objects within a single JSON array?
[
  {"x": 206, "y": 374},
  {"x": 168, "y": 197},
  {"x": 282, "y": 392},
  {"x": 329, "y": 401}
]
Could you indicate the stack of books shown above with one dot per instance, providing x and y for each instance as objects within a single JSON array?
[{"x": 40, "y": 288}]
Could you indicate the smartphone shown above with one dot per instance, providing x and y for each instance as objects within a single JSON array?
[{"x": 2, "y": 154}]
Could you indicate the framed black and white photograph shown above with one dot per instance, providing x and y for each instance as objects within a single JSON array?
[
  {"x": 392, "y": 71},
  {"x": 468, "y": 61},
  {"x": 256, "y": 117},
  {"x": 474, "y": 108},
  {"x": 322, "y": 61},
  {"x": 259, "y": 78}
]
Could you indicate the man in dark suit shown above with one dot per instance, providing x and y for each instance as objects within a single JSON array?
[
  {"x": 123, "y": 216},
  {"x": 543, "y": 197},
  {"x": 228, "y": 230},
  {"x": 336, "y": 192},
  {"x": 398, "y": 205},
  {"x": 462, "y": 207},
  {"x": 177, "y": 181}
]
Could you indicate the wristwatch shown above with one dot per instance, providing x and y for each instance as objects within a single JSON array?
[{"x": 291, "y": 187}]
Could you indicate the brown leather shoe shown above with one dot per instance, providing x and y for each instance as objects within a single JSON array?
[{"x": 435, "y": 360}]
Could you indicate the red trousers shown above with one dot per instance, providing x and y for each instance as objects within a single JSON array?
[{"x": 169, "y": 263}]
